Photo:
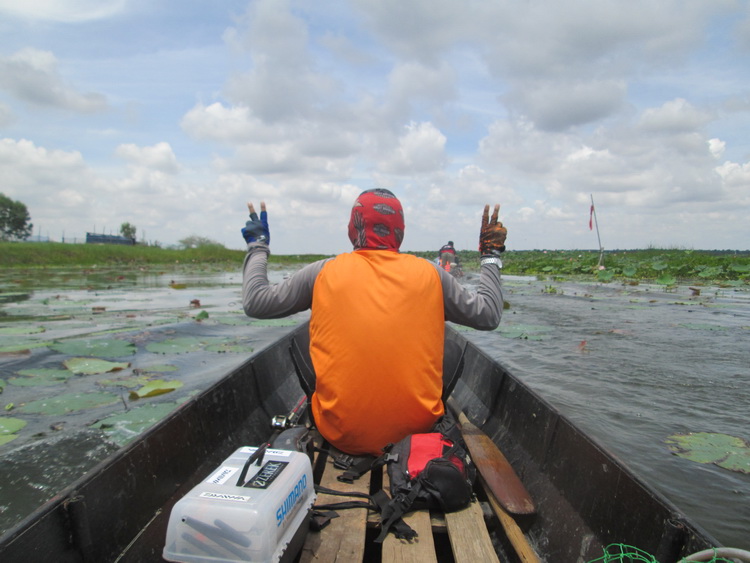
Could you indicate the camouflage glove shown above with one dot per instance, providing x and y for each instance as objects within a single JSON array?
[
  {"x": 256, "y": 229},
  {"x": 492, "y": 236}
]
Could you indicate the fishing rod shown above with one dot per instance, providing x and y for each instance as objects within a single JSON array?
[{"x": 279, "y": 423}]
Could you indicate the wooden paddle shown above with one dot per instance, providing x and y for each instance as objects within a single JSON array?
[{"x": 494, "y": 468}]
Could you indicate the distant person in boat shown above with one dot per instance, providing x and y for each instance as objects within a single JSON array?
[
  {"x": 447, "y": 255},
  {"x": 377, "y": 321}
]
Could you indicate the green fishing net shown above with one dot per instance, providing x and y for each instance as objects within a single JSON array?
[{"x": 621, "y": 553}]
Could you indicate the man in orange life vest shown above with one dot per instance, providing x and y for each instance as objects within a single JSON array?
[{"x": 377, "y": 321}]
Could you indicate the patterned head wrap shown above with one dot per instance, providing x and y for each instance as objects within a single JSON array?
[{"x": 377, "y": 221}]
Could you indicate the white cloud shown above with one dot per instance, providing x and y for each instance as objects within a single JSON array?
[
  {"x": 420, "y": 149},
  {"x": 32, "y": 76},
  {"x": 158, "y": 157},
  {"x": 452, "y": 105},
  {"x": 67, "y": 11}
]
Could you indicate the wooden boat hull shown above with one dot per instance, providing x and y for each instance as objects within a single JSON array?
[{"x": 585, "y": 498}]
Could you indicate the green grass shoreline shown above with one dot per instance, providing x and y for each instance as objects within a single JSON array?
[{"x": 664, "y": 266}]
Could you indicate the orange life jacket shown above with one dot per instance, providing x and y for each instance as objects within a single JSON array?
[{"x": 376, "y": 342}]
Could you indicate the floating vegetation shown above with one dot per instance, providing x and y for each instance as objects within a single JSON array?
[
  {"x": 703, "y": 326},
  {"x": 186, "y": 344},
  {"x": 154, "y": 388},
  {"x": 9, "y": 427},
  {"x": 728, "y": 452},
  {"x": 522, "y": 332},
  {"x": 666, "y": 279},
  {"x": 92, "y": 366},
  {"x": 239, "y": 320},
  {"x": 124, "y": 427},
  {"x": 21, "y": 329},
  {"x": 40, "y": 377},
  {"x": 126, "y": 381},
  {"x": 67, "y": 403},
  {"x": 275, "y": 322},
  {"x": 230, "y": 348},
  {"x": 102, "y": 348},
  {"x": 180, "y": 345}
]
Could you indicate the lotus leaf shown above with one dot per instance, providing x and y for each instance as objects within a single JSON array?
[
  {"x": 231, "y": 347},
  {"x": 91, "y": 366},
  {"x": 157, "y": 368},
  {"x": 9, "y": 425},
  {"x": 122, "y": 428},
  {"x": 233, "y": 321},
  {"x": 666, "y": 279},
  {"x": 711, "y": 272},
  {"x": 154, "y": 388},
  {"x": 21, "y": 329},
  {"x": 111, "y": 348},
  {"x": 175, "y": 345},
  {"x": 275, "y": 322},
  {"x": 203, "y": 315},
  {"x": 701, "y": 326},
  {"x": 605, "y": 275},
  {"x": 40, "y": 377},
  {"x": 629, "y": 271},
  {"x": 70, "y": 402},
  {"x": 129, "y": 382},
  {"x": 728, "y": 452}
]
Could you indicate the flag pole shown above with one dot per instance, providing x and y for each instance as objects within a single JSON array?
[{"x": 599, "y": 238}]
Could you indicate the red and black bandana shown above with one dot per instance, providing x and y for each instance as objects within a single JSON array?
[{"x": 377, "y": 221}]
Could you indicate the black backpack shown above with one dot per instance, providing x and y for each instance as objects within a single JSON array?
[{"x": 430, "y": 470}]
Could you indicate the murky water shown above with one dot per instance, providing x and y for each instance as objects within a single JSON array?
[{"x": 632, "y": 365}]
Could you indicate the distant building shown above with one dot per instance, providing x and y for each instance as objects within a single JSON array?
[{"x": 93, "y": 238}]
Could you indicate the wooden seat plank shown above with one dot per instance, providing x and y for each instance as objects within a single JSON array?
[
  {"x": 470, "y": 540},
  {"x": 421, "y": 549},
  {"x": 344, "y": 538}
]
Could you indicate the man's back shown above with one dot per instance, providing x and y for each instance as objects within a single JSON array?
[{"x": 376, "y": 333}]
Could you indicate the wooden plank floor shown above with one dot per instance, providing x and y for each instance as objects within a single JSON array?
[{"x": 344, "y": 538}]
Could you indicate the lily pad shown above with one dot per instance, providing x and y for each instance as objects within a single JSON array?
[
  {"x": 522, "y": 332},
  {"x": 157, "y": 368},
  {"x": 110, "y": 348},
  {"x": 122, "y": 428},
  {"x": 91, "y": 366},
  {"x": 202, "y": 316},
  {"x": 128, "y": 382},
  {"x": 40, "y": 377},
  {"x": 233, "y": 321},
  {"x": 21, "y": 329},
  {"x": 70, "y": 402},
  {"x": 275, "y": 322},
  {"x": 728, "y": 452},
  {"x": 703, "y": 326},
  {"x": 230, "y": 347},
  {"x": 175, "y": 345},
  {"x": 9, "y": 427},
  {"x": 154, "y": 388}
]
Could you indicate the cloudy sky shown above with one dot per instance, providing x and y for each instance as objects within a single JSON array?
[{"x": 172, "y": 114}]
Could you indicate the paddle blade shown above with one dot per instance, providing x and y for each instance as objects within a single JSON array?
[{"x": 496, "y": 470}]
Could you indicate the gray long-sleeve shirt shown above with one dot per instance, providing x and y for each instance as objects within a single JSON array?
[{"x": 480, "y": 309}]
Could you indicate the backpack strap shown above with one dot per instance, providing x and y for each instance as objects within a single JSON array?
[{"x": 394, "y": 510}]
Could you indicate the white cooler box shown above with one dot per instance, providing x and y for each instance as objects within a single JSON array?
[{"x": 264, "y": 520}]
